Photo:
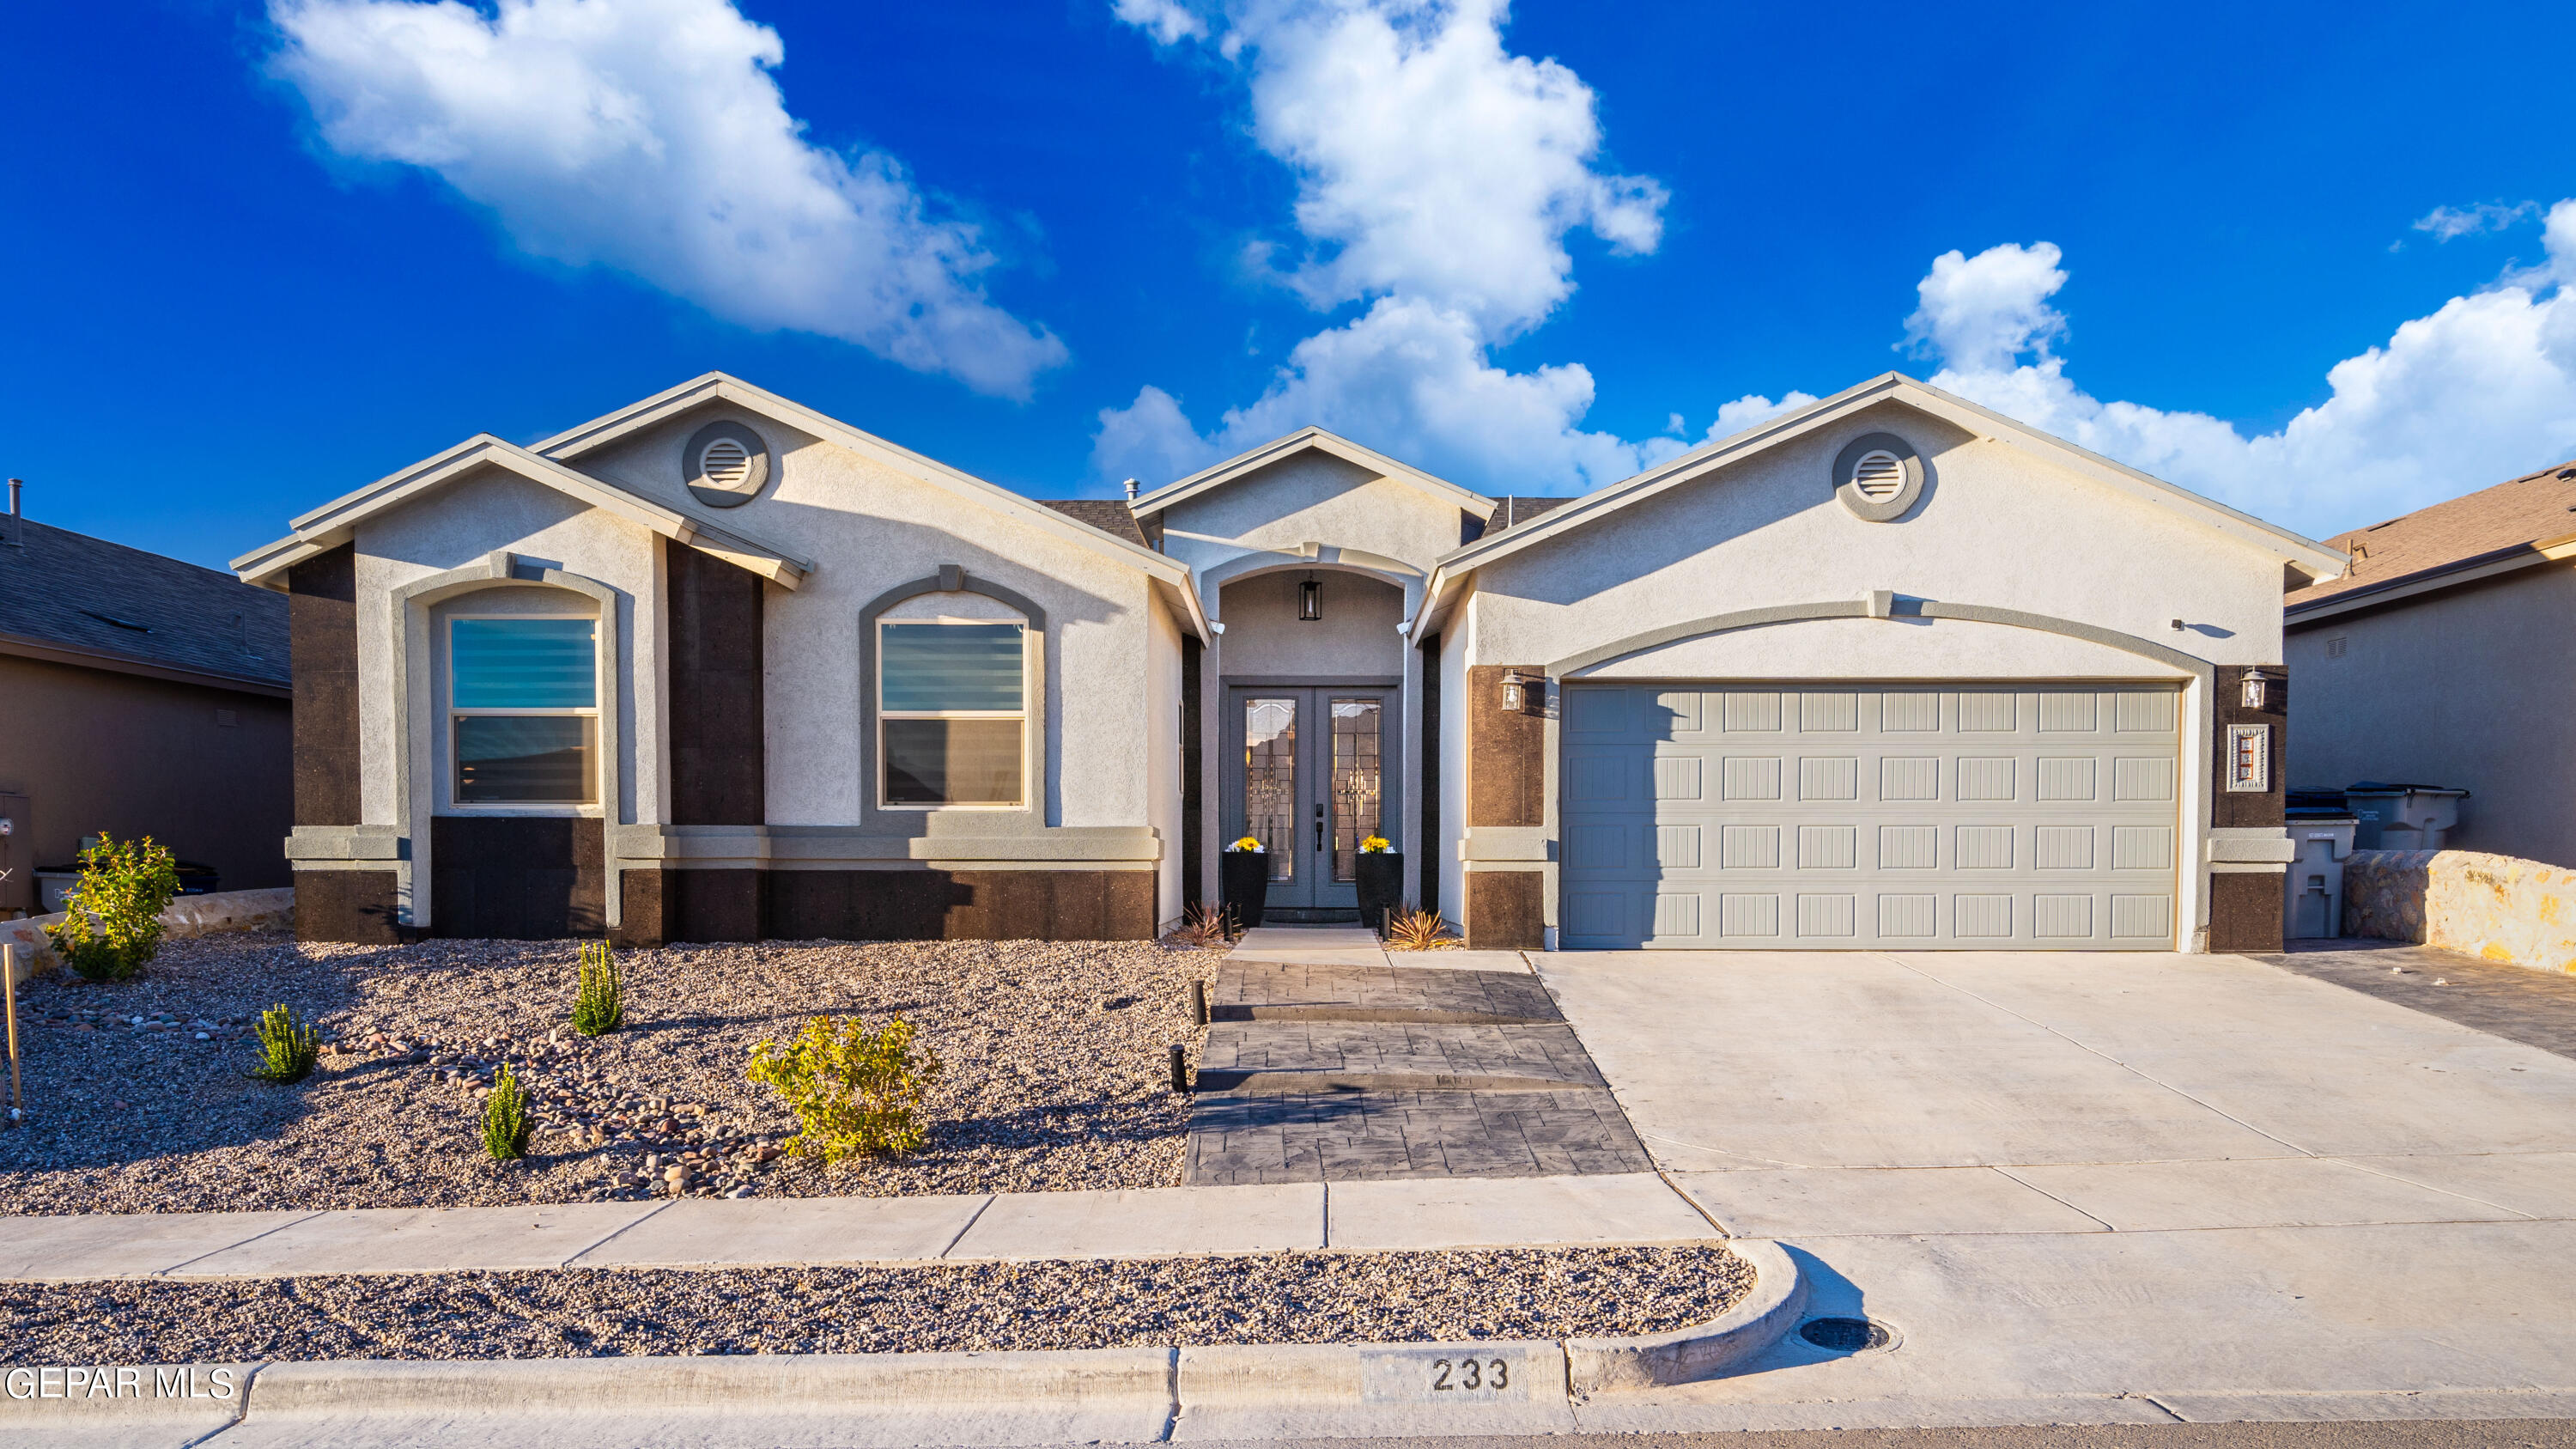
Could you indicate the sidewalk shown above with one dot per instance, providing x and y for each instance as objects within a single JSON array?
[
  {"x": 714, "y": 1232},
  {"x": 1358, "y": 946}
]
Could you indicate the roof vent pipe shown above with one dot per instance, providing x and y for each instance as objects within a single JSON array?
[
  {"x": 1131, "y": 490},
  {"x": 17, "y": 526}
]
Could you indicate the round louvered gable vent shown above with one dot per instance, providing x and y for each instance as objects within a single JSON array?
[
  {"x": 726, "y": 463},
  {"x": 1880, "y": 476}
]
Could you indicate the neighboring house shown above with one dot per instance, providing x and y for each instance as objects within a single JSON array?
[
  {"x": 2440, "y": 658},
  {"x": 1890, "y": 670},
  {"x": 138, "y": 696}
]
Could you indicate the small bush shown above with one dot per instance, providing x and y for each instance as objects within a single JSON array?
[
  {"x": 854, "y": 1091},
  {"x": 599, "y": 1002},
  {"x": 505, "y": 1118},
  {"x": 1207, "y": 924},
  {"x": 288, "y": 1048},
  {"x": 1418, "y": 931},
  {"x": 112, "y": 919}
]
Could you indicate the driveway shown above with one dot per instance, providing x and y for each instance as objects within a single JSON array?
[{"x": 2103, "y": 1188}]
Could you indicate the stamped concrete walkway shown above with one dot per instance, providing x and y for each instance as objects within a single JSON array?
[
  {"x": 716, "y": 1232},
  {"x": 1329, "y": 1060}
]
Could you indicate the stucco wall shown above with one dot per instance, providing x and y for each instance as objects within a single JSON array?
[
  {"x": 1998, "y": 526},
  {"x": 94, "y": 750},
  {"x": 1311, "y": 497},
  {"x": 1162, "y": 754},
  {"x": 458, "y": 527},
  {"x": 868, "y": 527},
  {"x": 2490, "y": 906},
  {"x": 1355, "y": 637},
  {"x": 2469, "y": 688}
]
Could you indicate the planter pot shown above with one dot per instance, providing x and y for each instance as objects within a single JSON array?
[
  {"x": 1244, "y": 878},
  {"x": 1381, "y": 883}
]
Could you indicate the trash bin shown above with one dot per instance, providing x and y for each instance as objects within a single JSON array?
[
  {"x": 2402, "y": 816},
  {"x": 2321, "y": 829}
]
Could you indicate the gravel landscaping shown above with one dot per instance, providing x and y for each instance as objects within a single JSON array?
[
  {"x": 1056, "y": 1075},
  {"x": 1281, "y": 1298}
]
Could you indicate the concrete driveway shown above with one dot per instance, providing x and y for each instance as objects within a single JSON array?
[{"x": 2103, "y": 1188}]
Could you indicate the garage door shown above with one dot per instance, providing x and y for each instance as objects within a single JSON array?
[{"x": 1829, "y": 817}]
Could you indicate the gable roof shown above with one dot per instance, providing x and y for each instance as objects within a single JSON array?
[
  {"x": 333, "y": 523},
  {"x": 1305, "y": 440},
  {"x": 2516, "y": 523},
  {"x": 1519, "y": 508},
  {"x": 75, "y": 599},
  {"x": 574, "y": 443},
  {"x": 2307, "y": 556}
]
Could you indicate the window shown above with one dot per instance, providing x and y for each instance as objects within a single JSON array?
[
  {"x": 523, "y": 710},
  {"x": 952, "y": 718}
]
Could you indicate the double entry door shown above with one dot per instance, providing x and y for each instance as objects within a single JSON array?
[{"x": 1310, "y": 773}]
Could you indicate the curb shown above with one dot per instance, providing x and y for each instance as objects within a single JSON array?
[
  {"x": 1072, "y": 1395},
  {"x": 1779, "y": 1297}
]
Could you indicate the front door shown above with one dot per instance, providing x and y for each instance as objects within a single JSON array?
[{"x": 1310, "y": 774}]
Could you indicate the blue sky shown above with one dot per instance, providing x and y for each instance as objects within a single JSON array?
[{"x": 2300, "y": 259}]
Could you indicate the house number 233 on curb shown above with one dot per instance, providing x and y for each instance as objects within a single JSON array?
[
  {"x": 1446, "y": 1375},
  {"x": 1469, "y": 1374}
]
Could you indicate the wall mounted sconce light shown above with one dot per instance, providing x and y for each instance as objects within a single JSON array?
[
  {"x": 1516, "y": 691},
  {"x": 2255, "y": 680},
  {"x": 1310, "y": 601}
]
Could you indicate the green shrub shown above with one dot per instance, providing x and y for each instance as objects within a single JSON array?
[
  {"x": 112, "y": 919},
  {"x": 288, "y": 1048},
  {"x": 853, "y": 1090},
  {"x": 599, "y": 1002},
  {"x": 505, "y": 1118}
]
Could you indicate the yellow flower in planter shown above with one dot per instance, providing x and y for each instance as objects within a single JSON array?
[
  {"x": 1377, "y": 845},
  {"x": 1246, "y": 843}
]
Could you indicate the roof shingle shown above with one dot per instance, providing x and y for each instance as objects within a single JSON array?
[
  {"x": 70, "y": 591},
  {"x": 2501, "y": 520},
  {"x": 1109, "y": 515}
]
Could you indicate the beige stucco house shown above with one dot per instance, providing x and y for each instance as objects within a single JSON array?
[
  {"x": 2434, "y": 660},
  {"x": 1890, "y": 670}
]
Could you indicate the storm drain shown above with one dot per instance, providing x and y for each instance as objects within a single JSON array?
[{"x": 1845, "y": 1335}]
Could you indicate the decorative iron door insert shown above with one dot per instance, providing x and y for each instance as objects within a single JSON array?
[{"x": 1309, "y": 773}]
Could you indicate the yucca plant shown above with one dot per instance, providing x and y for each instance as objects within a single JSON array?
[
  {"x": 1207, "y": 924},
  {"x": 505, "y": 1118},
  {"x": 599, "y": 1002},
  {"x": 288, "y": 1048},
  {"x": 1418, "y": 931}
]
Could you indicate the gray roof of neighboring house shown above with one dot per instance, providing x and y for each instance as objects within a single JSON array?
[
  {"x": 68, "y": 594},
  {"x": 2513, "y": 517},
  {"x": 1109, "y": 515},
  {"x": 1511, "y": 510}
]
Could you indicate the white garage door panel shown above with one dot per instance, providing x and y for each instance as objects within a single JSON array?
[{"x": 1834, "y": 817}]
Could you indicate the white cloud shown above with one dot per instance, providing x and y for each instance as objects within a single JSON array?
[
  {"x": 649, "y": 136},
  {"x": 1430, "y": 162},
  {"x": 1438, "y": 178},
  {"x": 1744, "y": 412},
  {"x": 1411, "y": 381},
  {"x": 2480, "y": 390},
  {"x": 2447, "y": 222},
  {"x": 1168, "y": 21}
]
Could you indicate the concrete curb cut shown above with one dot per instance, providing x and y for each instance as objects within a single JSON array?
[
  {"x": 1104, "y": 1395},
  {"x": 1779, "y": 1297}
]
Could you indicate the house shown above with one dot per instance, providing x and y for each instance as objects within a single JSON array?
[
  {"x": 2437, "y": 659},
  {"x": 1887, "y": 670},
  {"x": 138, "y": 696}
]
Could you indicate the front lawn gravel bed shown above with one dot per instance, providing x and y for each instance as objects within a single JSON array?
[
  {"x": 1526, "y": 1293},
  {"x": 1056, "y": 1075}
]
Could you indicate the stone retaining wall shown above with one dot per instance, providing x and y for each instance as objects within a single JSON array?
[
  {"x": 206, "y": 915},
  {"x": 2496, "y": 907}
]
